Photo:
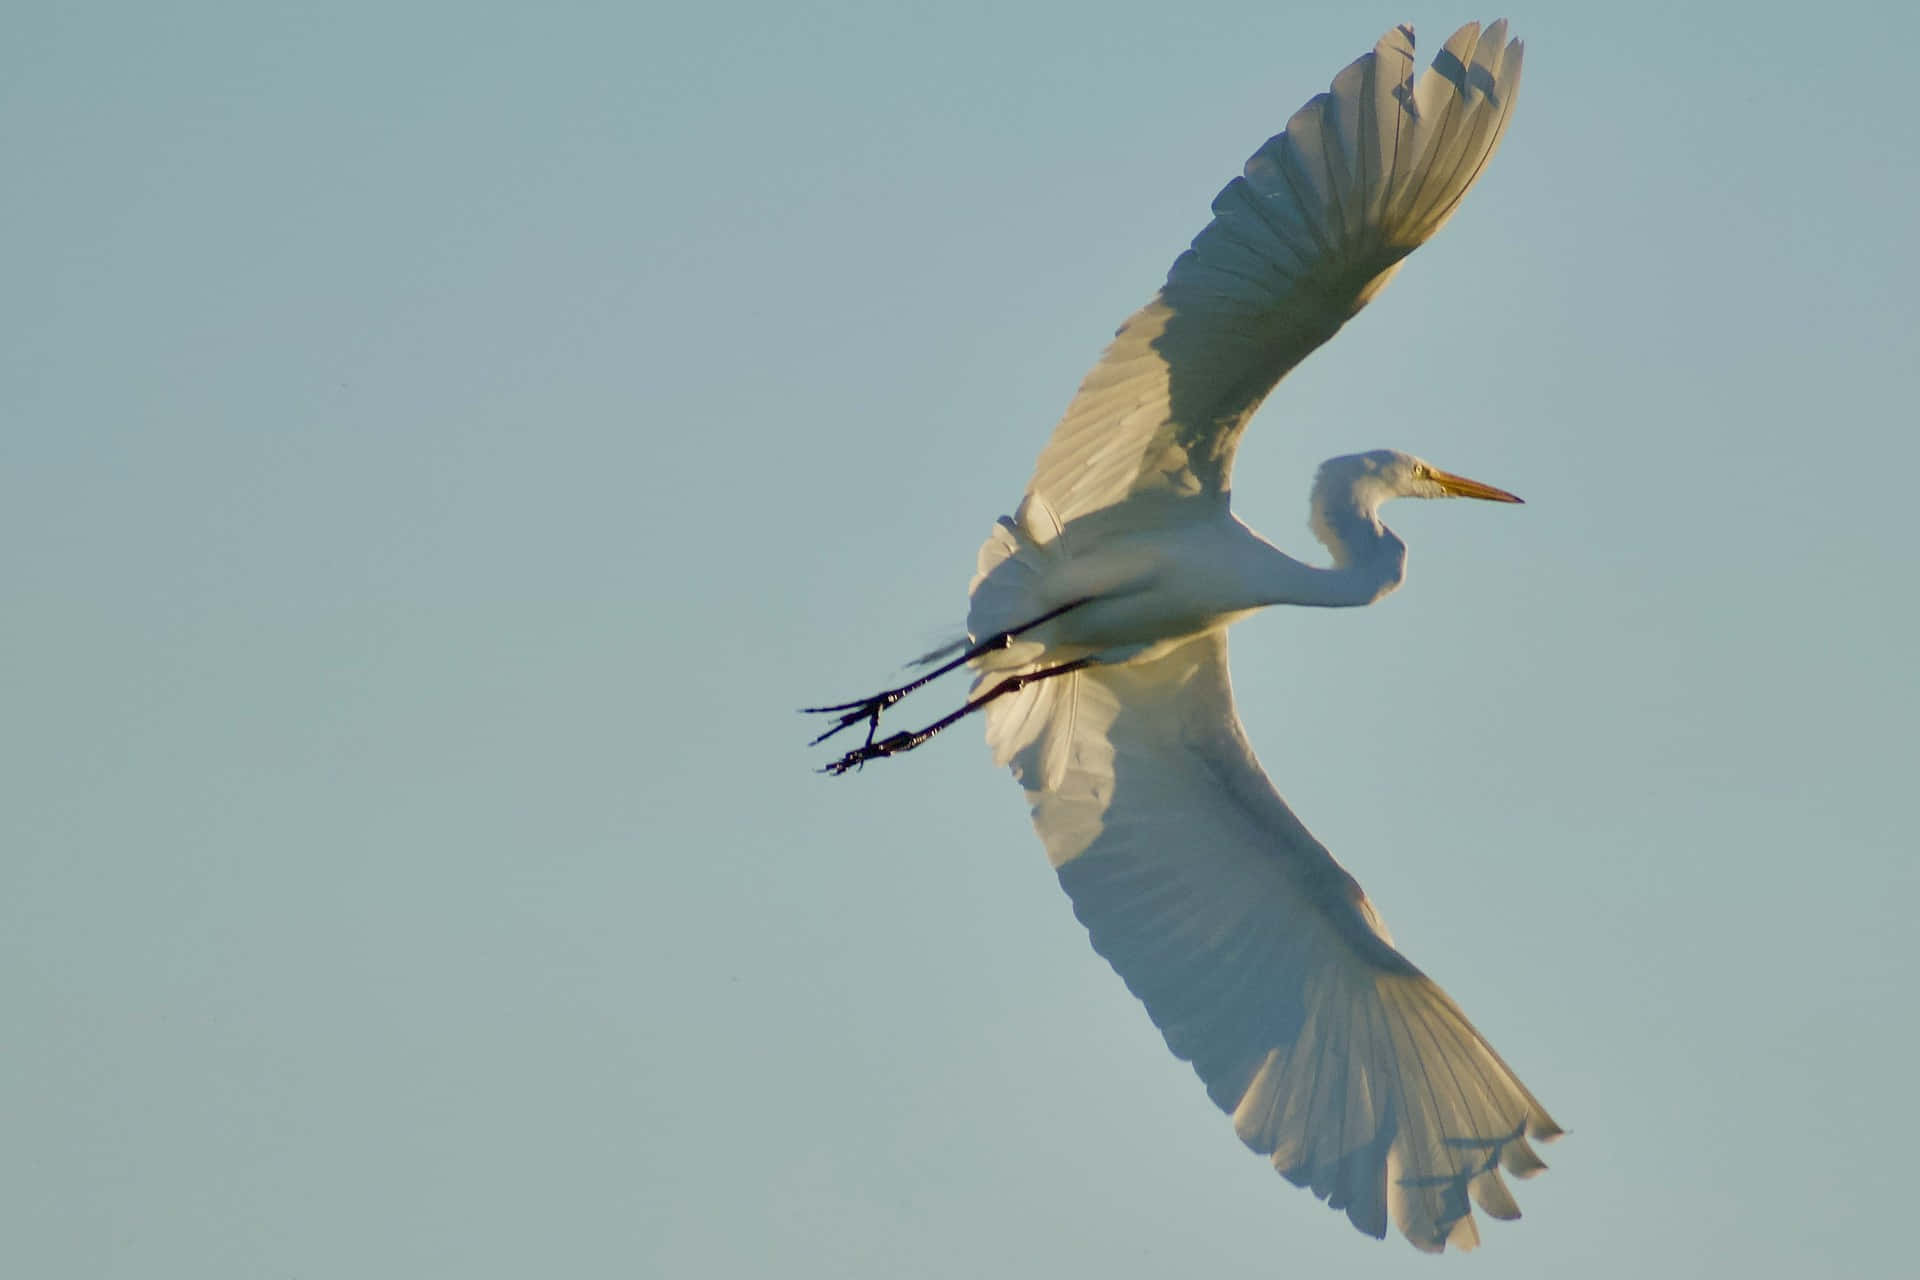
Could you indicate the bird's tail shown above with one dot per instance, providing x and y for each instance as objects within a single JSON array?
[
  {"x": 1029, "y": 730},
  {"x": 1005, "y": 592}
]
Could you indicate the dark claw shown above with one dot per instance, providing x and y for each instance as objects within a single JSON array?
[
  {"x": 857, "y": 757},
  {"x": 841, "y": 706},
  {"x": 867, "y": 709},
  {"x": 870, "y": 714}
]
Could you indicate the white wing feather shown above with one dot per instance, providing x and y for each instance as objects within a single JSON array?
[
  {"x": 1256, "y": 954},
  {"x": 1319, "y": 222},
  {"x": 1264, "y": 965}
]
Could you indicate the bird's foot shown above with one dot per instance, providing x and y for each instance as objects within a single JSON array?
[
  {"x": 857, "y": 757},
  {"x": 852, "y": 713}
]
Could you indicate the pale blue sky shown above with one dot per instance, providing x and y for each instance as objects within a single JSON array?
[{"x": 443, "y": 444}]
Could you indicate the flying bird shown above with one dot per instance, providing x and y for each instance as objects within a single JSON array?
[{"x": 1096, "y": 633}]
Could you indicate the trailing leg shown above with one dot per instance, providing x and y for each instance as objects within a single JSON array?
[
  {"x": 899, "y": 742},
  {"x": 869, "y": 709}
]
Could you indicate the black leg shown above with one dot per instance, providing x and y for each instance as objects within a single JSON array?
[
  {"x": 869, "y": 709},
  {"x": 899, "y": 742}
]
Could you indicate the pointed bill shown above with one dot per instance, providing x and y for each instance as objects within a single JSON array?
[{"x": 1461, "y": 487}]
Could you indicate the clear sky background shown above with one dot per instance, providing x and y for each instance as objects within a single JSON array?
[{"x": 440, "y": 445}]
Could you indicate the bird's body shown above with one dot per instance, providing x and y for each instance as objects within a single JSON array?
[
  {"x": 1097, "y": 632},
  {"x": 1152, "y": 586},
  {"x": 1165, "y": 570}
]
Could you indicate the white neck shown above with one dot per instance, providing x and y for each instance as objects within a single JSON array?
[{"x": 1369, "y": 560}]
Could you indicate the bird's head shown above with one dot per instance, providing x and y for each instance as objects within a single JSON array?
[
  {"x": 1348, "y": 492},
  {"x": 1365, "y": 480}
]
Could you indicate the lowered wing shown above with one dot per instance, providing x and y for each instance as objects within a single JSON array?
[{"x": 1264, "y": 965}]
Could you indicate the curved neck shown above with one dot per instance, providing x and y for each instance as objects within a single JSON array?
[{"x": 1369, "y": 559}]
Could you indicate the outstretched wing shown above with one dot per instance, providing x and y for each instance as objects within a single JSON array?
[
  {"x": 1363, "y": 175},
  {"x": 1264, "y": 965}
]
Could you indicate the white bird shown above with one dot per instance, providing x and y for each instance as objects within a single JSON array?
[{"x": 1097, "y": 629}]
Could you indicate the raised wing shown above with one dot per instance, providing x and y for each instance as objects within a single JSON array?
[
  {"x": 1264, "y": 965},
  {"x": 1362, "y": 176}
]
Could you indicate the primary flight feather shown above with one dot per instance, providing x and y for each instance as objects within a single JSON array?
[{"x": 1097, "y": 632}]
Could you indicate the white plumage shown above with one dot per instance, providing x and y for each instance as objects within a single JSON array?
[
  {"x": 1318, "y": 224},
  {"x": 1098, "y": 635}
]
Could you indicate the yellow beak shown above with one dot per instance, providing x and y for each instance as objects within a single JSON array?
[{"x": 1461, "y": 487}]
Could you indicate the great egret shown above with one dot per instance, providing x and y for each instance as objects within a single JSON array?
[{"x": 1097, "y": 630}]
